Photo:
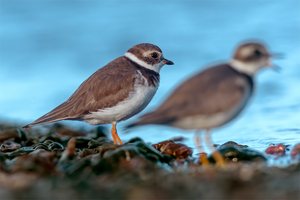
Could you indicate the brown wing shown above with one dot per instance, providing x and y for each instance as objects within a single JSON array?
[
  {"x": 202, "y": 94},
  {"x": 103, "y": 89}
]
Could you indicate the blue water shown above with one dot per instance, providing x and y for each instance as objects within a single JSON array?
[{"x": 47, "y": 48}]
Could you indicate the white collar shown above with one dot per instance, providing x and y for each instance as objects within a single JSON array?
[
  {"x": 140, "y": 62},
  {"x": 246, "y": 68}
]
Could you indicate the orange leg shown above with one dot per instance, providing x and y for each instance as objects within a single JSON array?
[
  {"x": 115, "y": 135},
  {"x": 202, "y": 155},
  {"x": 215, "y": 153}
]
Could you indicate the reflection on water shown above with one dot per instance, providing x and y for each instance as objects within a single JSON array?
[{"x": 47, "y": 48}]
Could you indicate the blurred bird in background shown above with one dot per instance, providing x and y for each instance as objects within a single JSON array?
[{"x": 212, "y": 97}]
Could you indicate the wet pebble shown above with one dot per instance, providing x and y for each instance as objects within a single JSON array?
[
  {"x": 114, "y": 157},
  {"x": 39, "y": 161},
  {"x": 171, "y": 148},
  {"x": 235, "y": 152},
  {"x": 296, "y": 151},
  {"x": 9, "y": 146},
  {"x": 55, "y": 146},
  {"x": 276, "y": 149},
  {"x": 70, "y": 151}
]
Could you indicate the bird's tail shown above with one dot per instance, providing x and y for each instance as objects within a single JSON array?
[
  {"x": 41, "y": 121},
  {"x": 150, "y": 118},
  {"x": 57, "y": 114}
]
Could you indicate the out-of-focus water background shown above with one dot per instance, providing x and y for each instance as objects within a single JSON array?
[{"x": 48, "y": 47}]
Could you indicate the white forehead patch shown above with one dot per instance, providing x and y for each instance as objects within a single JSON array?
[{"x": 246, "y": 51}]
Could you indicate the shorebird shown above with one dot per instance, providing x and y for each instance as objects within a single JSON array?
[
  {"x": 214, "y": 96},
  {"x": 115, "y": 92}
]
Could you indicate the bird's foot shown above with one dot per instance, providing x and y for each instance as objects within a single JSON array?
[
  {"x": 203, "y": 160},
  {"x": 220, "y": 162}
]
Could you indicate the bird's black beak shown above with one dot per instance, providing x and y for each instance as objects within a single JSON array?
[
  {"x": 277, "y": 55},
  {"x": 167, "y": 62}
]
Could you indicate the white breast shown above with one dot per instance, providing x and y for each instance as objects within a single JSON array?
[
  {"x": 137, "y": 100},
  {"x": 203, "y": 121}
]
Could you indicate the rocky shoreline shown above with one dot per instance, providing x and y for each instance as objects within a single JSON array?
[{"x": 59, "y": 162}]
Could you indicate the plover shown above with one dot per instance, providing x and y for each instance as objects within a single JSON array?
[
  {"x": 115, "y": 92},
  {"x": 214, "y": 96}
]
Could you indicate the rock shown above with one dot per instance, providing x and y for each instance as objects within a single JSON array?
[
  {"x": 171, "y": 148},
  {"x": 296, "y": 151},
  {"x": 276, "y": 149},
  {"x": 234, "y": 152},
  {"x": 9, "y": 146},
  {"x": 135, "y": 149}
]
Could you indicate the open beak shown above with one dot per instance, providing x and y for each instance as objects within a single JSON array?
[
  {"x": 167, "y": 62},
  {"x": 277, "y": 55},
  {"x": 275, "y": 67}
]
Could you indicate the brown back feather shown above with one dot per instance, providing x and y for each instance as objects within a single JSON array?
[{"x": 103, "y": 89}]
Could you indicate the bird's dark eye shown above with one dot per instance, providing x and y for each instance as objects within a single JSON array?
[
  {"x": 257, "y": 53},
  {"x": 154, "y": 55}
]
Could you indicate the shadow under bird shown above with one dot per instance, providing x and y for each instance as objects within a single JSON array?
[
  {"x": 115, "y": 92},
  {"x": 214, "y": 96}
]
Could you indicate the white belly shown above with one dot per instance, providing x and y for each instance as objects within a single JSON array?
[
  {"x": 204, "y": 122},
  {"x": 136, "y": 102}
]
